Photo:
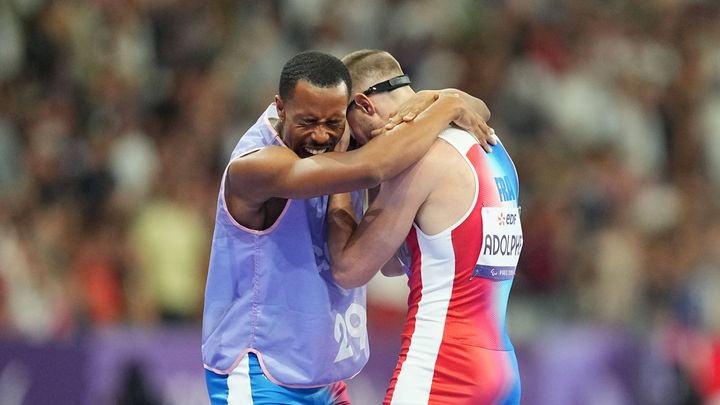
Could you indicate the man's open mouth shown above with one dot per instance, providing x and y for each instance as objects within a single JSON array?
[{"x": 316, "y": 150}]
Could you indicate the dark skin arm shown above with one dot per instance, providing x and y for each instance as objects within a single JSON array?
[
  {"x": 279, "y": 172},
  {"x": 422, "y": 99}
]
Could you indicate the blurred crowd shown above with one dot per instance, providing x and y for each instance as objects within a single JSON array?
[{"x": 117, "y": 118}]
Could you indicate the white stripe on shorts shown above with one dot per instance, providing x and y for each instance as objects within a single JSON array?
[{"x": 239, "y": 384}]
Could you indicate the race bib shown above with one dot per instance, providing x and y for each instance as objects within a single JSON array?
[{"x": 502, "y": 243}]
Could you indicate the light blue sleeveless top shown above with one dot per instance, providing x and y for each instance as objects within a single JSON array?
[{"x": 271, "y": 292}]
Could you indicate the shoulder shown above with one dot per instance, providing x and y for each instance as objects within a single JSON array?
[
  {"x": 266, "y": 158},
  {"x": 448, "y": 148},
  {"x": 460, "y": 139},
  {"x": 424, "y": 173},
  {"x": 248, "y": 175}
]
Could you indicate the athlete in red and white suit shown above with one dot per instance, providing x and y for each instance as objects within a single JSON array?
[{"x": 457, "y": 209}]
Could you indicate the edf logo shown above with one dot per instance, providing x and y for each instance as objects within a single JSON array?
[
  {"x": 505, "y": 188},
  {"x": 508, "y": 219}
]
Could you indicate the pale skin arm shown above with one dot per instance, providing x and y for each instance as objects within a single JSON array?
[
  {"x": 393, "y": 267},
  {"x": 279, "y": 172},
  {"x": 357, "y": 252}
]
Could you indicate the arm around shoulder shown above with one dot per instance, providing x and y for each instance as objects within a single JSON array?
[
  {"x": 391, "y": 152},
  {"x": 278, "y": 172}
]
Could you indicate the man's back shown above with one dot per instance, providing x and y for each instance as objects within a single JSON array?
[{"x": 464, "y": 247}]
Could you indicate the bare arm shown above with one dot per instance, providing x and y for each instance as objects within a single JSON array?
[
  {"x": 477, "y": 123},
  {"x": 278, "y": 172},
  {"x": 422, "y": 99},
  {"x": 357, "y": 252},
  {"x": 342, "y": 223},
  {"x": 393, "y": 267},
  {"x": 474, "y": 103}
]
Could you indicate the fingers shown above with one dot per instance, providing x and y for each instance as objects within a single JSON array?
[
  {"x": 409, "y": 117},
  {"x": 488, "y": 132},
  {"x": 482, "y": 140},
  {"x": 398, "y": 119},
  {"x": 484, "y": 135},
  {"x": 485, "y": 146},
  {"x": 394, "y": 121}
]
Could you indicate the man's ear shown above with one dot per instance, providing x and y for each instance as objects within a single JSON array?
[
  {"x": 280, "y": 108},
  {"x": 364, "y": 104}
]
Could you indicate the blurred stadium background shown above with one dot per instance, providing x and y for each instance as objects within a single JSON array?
[{"x": 117, "y": 118}]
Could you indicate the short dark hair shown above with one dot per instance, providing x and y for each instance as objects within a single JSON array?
[{"x": 318, "y": 68}]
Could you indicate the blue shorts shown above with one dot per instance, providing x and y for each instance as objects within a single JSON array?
[{"x": 247, "y": 385}]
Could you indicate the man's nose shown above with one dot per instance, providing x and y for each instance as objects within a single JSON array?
[{"x": 320, "y": 136}]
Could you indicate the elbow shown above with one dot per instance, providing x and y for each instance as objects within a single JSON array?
[
  {"x": 346, "y": 281},
  {"x": 391, "y": 272},
  {"x": 347, "y": 277}
]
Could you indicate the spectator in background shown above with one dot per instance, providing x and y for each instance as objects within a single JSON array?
[{"x": 90, "y": 92}]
